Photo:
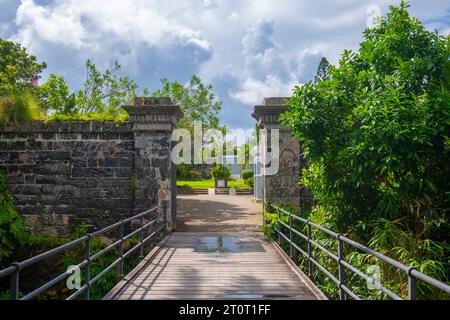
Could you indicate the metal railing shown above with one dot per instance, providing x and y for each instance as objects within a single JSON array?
[
  {"x": 412, "y": 273},
  {"x": 15, "y": 269}
]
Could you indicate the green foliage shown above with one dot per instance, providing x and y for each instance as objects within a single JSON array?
[
  {"x": 205, "y": 184},
  {"x": 182, "y": 172},
  {"x": 376, "y": 138},
  {"x": 102, "y": 95},
  {"x": 57, "y": 96},
  {"x": 17, "y": 108},
  {"x": 58, "y": 264},
  {"x": 323, "y": 70},
  {"x": 104, "y": 91},
  {"x": 17, "y": 68},
  {"x": 246, "y": 174},
  {"x": 250, "y": 182},
  {"x": 195, "y": 175},
  {"x": 119, "y": 116},
  {"x": 221, "y": 172},
  {"x": 197, "y": 100},
  {"x": 375, "y": 133},
  {"x": 13, "y": 231}
]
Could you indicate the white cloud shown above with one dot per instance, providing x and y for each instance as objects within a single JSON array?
[
  {"x": 247, "y": 49},
  {"x": 253, "y": 91},
  {"x": 268, "y": 71},
  {"x": 61, "y": 25},
  {"x": 307, "y": 63},
  {"x": 259, "y": 37},
  {"x": 81, "y": 24}
]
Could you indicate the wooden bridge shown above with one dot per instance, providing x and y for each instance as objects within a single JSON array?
[{"x": 217, "y": 253}]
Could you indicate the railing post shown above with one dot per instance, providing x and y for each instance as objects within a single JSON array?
[
  {"x": 165, "y": 218},
  {"x": 290, "y": 236},
  {"x": 279, "y": 226},
  {"x": 120, "y": 264},
  {"x": 412, "y": 285},
  {"x": 341, "y": 267},
  {"x": 141, "y": 237},
  {"x": 15, "y": 282},
  {"x": 87, "y": 270},
  {"x": 310, "y": 265}
]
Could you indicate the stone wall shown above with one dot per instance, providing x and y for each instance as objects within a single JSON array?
[
  {"x": 65, "y": 173},
  {"x": 282, "y": 187}
]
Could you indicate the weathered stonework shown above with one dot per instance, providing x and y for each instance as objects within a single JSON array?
[
  {"x": 282, "y": 187},
  {"x": 65, "y": 173},
  {"x": 153, "y": 122}
]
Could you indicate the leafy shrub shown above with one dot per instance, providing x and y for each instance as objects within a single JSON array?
[
  {"x": 17, "y": 108},
  {"x": 376, "y": 140},
  {"x": 58, "y": 264},
  {"x": 250, "y": 182},
  {"x": 246, "y": 174},
  {"x": 195, "y": 175},
  {"x": 118, "y": 116},
  {"x": 221, "y": 172},
  {"x": 182, "y": 172},
  {"x": 13, "y": 231}
]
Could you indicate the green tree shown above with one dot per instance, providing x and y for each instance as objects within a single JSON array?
[
  {"x": 17, "y": 68},
  {"x": 197, "y": 100},
  {"x": 323, "y": 70},
  {"x": 376, "y": 137},
  {"x": 57, "y": 96},
  {"x": 105, "y": 91}
]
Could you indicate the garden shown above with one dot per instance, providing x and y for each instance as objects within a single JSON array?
[{"x": 192, "y": 179}]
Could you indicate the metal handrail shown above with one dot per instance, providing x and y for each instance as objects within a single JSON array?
[
  {"x": 14, "y": 270},
  {"x": 412, "y": 273}
]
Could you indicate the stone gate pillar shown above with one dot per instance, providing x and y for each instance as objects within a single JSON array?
[
  {"x": 153, "y": 120},
  {"x": 282, "y": 187}
]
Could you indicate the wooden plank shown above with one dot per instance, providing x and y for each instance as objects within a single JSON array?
[{"x": 179, "y": 271}]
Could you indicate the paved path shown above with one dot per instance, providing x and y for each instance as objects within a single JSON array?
[
  {"x": 216, "y": 253},
  {"x": 220, "y": 213}
]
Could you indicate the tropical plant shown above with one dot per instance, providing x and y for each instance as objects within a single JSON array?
[
  {"x": 246, "y": 174},
  {"x": 197, "y": 100},
  {"x": 376, "y": 135},
  {"x": 18, "y": 69},
  {"x": 57, "y": 96},
  {"x": 104, "y": 91},
  {"x": 13, "y": 231},
  {"x": 19, "y": 107},
  {"x": 376, "y": 138},
  {"x": 250, "y": 182},
  {"x": 221, "y": 172},
  {"x": 182, "y": 171},
  {"x": 195, "y": 175}
]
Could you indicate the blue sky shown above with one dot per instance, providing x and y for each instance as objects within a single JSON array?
[{"x": 246, "y": 49}]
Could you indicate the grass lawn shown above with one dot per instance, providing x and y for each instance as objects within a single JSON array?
[{"x": 201, "y": 184}]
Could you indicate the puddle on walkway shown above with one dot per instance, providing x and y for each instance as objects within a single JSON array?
[{"x": 219, "y": 244}]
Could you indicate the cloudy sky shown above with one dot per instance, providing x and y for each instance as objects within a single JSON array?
[{"x": 246, "y": 49}]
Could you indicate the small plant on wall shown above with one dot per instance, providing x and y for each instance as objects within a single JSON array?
[{"x": 13, "y": 231}]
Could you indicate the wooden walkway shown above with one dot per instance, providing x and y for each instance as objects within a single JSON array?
[{"x": 226, "y": 265}]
